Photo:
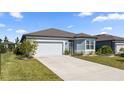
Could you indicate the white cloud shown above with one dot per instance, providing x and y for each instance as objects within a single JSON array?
[
  {"x": 104, "y": 32},
  {"x": 100, "y": 18},
  {"x": 2, "y": 25},
  {"x": 70, "y": 26},
  {"x": 21, "y": 31},
  {"x": 9, "y": 29},
  {"x": 17, "y": 15},
  {"x": 107, "y": 28},
  {"x": 113, "y": 16},
  {"x": 82, "y": 14}
]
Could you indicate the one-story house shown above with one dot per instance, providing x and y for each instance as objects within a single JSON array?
[
  {"x": 115, "y": 42},
  {"x": 55, "y": 41},
  {"x": 9, "y": 45}
]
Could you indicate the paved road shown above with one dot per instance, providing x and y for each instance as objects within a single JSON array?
[{"x": 70, "y": 68}]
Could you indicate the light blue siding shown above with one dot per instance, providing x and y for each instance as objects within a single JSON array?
[{"x": 79, "y": 45}]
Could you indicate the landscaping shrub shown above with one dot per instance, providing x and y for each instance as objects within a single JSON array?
[
  {"x": 122, "y": 52},
  {"x": 78, "y": 54},
  {"x": 106, "y": 50},
  {"x": 98, "y": 51},
  {"x": 17, "y": 51},
  {"x": 66, "y": 52},
  {"x": 26, "y": 48}
]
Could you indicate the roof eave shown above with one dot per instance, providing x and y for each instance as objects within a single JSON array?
[
  {"x": 60, "y": 36},
  {"x": 86, "y": 37}
]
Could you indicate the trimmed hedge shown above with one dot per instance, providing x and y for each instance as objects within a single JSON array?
[{"x": 106, "y": 50}]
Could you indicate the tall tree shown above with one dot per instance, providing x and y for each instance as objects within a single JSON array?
[
  {"x": 6, "y": 39},
  {"x": 17, "y": 40},
  {"x": 6, "y": 42}
]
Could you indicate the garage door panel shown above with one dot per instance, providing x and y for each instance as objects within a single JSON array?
[{"x": 46, "y": 49}]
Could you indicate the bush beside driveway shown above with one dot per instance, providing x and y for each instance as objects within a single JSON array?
[
  {"x": 117, "y": 62},
  {"x": 15, "y": 69}
]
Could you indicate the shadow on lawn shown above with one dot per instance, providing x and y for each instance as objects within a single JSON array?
[
  {"x": 120, "y": 60},
  {"x": 23, "y": 58}
]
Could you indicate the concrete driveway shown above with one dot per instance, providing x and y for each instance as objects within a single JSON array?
[{"x": 70, "y": 68}]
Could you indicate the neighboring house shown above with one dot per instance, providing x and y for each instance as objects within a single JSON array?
[
  {"x": 115, "y": 42},
  {"x": 9, "y": 45},
  {"x": 55, "y": 42}
]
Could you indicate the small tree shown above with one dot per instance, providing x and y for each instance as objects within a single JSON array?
[
  {"x": 27, "y": 48},
  {"x": 17, "y": 40},
  {"x": 5, "y": 42},
  {"x": 17, "y": 47},
  {"x": 6, "y": 39},
  {"x": 105, "y": 50}
]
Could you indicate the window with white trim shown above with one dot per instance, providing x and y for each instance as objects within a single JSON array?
[{"x": 90, "y": 44}]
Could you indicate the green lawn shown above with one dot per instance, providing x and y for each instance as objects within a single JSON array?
[
  {"x": 31, "y": 69},
  {"x": 117, "y": 62}
]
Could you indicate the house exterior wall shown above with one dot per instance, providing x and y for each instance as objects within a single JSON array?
[
  {"x": 64, "y": 41},
  {"x": 80, "y": 46},
  {"x": 113, "y": 44},
  {"x": 108, "y": 42}
]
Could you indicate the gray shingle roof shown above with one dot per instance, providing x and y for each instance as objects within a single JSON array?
[
  {"x": 104, "y": 37},
  {"x": 83, "y": 35},
  {"x": 52, "y": 32}
]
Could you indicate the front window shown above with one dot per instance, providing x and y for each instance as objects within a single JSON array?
[{"x": 89, "y": 44}]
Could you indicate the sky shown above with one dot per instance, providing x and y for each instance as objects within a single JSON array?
[{"x": 15, "y": 24}]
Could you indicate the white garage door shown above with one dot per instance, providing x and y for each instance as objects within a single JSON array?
[
  {"x": 118, "y": 47},
  {"x": 49, "y": 49}
]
